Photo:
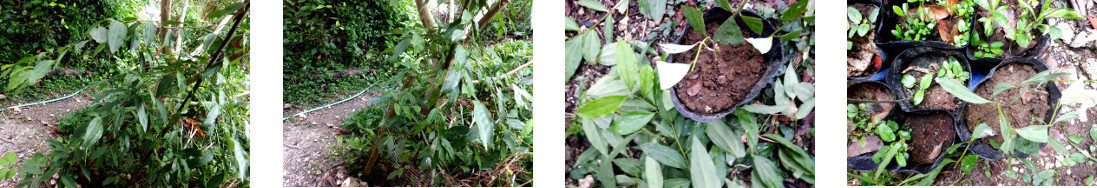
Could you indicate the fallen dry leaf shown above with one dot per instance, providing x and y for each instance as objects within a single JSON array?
[
  {"x": 937, "y": 12},
  {"x": 695, "y": 88},
  {"x": 943, "y": 30},
  {"x": 1092, "y": 22}
]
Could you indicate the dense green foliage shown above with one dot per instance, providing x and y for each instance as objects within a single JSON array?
[
  {"x": 322, "y": 34},
  {"x": 32, "y": 26},
  {"x": 143, "y": 129}
]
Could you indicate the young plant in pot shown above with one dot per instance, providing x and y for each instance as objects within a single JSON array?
[
  {"x": 998, "y": 36},
  {"x": 724, "y": 72},
  {"x": 933, "y": 20},
  {"x": 916, "y": 141},
  {"x": 869, "y": 102},
  {"x": 917, "y": 71},
  {"x": 1023, "y": 103},
  {"x": 862, "y": 54}
]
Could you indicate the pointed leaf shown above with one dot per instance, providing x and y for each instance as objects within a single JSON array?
[
  {"x": 631, "y": 122},
  {"x": 1035, "y": 133},
  {"x": 653, "y": 173},
  {"x": 762, "y": 44},
  {"x": 702, "y": 169},
  {"x": 671, "y": 73},
  {"x": 627, "y": 66},
  {"x": 484, "y": 123},
  {"x": 664, "y": 155},
  {"x": 99, "y": 34},
  {"x": 676, "y": 48},
  {"x": 593, "y": 5},
  {"x": 570, "y": 24},
  {"x": 982, "y": 130},
  {"x": 693, "y": 17},
  {"x": 117, "y": 35},
  {"x": 725, "y": 138},
  {"x": 601, "y": 107},
  {"x": 954, "y": 87},
  {"x": 93, "y": 132},
  {"x": 729, "y": 33}
]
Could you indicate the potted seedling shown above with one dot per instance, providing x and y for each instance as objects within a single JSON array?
[
  {"x": 1023, "y": 103},
  {"x": 916, "y": 141},
  {"x": 916, "y": 71},
  {"x": 998, "y": 36},
  {"x": 931, "y": 20},
  {"x": 862, "y": 54},
  {"x": 869, "y": 104},
  {"x": 730, "y": 56}
]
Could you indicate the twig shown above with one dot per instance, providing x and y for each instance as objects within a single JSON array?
[
  {"x": 291, "y": 146},
  {"x": 877, "y": 101},
  {"x": 6, "y": 140},
  {"x": 519, "y": 68}
]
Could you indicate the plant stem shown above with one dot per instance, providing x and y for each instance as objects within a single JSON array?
[
  {"x": 697, "y": 54},
  {"x": 216, "y": 56}
]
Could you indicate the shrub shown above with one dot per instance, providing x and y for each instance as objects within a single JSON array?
[{"x": 335, "y": 35}]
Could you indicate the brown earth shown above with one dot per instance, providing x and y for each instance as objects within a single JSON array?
[
  {"x": 872, "y": 91},
  {"x": 307, "y": 146},
  {"x": 932, "y": 134},
  {"x": 1019, "y": 112},
  {"x": 24, "y": 132},
  {"x": 721, "y": 79},
  {"x": 936, "y": 97}
]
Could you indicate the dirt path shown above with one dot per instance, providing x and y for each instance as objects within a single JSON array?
[
  {"x": 307, "y": 143},
  {"x": 25, "y": 131}
]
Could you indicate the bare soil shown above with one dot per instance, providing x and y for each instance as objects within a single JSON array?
[
  {"x": 1019, "y": 112},
  {"x": 873, "y": 91},
  {"x": 932, "y": 134},
  {"x": 936, "y": 97},
  {"x": 721, "y": 79},
  {"x": 308, "y": 142},
  {"x": 25, "y": 131}
]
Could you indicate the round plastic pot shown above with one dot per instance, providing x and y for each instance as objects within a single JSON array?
[
  {"x": 926, "y": 49},
  {"x": 984, "y": 150},
  {"x": 864, "y": 162},
  {"x": 773, "y": 59},
  {"x": 1039, "y": 46},
  {"x": 884, "y": 61},
  {"x": 850, "y": 84}
]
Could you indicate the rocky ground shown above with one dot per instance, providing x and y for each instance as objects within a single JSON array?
[
  {"x": 307, "y": 143},
  {"x": 24, "y": 131}
]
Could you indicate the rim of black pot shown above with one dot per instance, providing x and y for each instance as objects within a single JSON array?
[
  {"x": 1040, "y": 46},
  {"x": 773, "y": 60},
  {"x": 895, "y": 74},
  {"x": 875, "y": 82},
  {"x": 984, "y": 150},
  {"x": 864, "y": 162}
]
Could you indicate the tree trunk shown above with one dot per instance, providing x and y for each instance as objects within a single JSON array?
[
  {"x": 424, "y": 14},
  {"x": 179, "y": 33},
  {"x": 165, "y": 15}
]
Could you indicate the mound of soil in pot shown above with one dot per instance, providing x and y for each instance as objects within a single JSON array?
[
  {"x": 932, "y": 134},
  {"x": 863, "y": 59},
  {"x": 719, "y": 79},
  {"x": 936, "y": 96},
  {"x": 1019, "y": 112},
  {"x": 872, "y": 91}
]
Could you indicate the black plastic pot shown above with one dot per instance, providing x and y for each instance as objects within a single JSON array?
[
  {"x": 985, "y": 150},
  {"x": 1040, "y": 41},
  {"x": 864, "y": 162},
  {"x": 902, "y": 61},
  {"x": 850, "y": 84},
  {"x": 883, "y": 54},
  {"x": 773, "y": 59}
]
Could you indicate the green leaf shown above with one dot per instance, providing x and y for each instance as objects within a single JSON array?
[
  {"x": 676, "y": 48},
  {"x": 483, "y": 122},
  {"x": 1075, "y": 93},
  {"x": 1076, "y": 139},
  {"x": 653, "y": 173},
  {"x": 795, "y": 11},
  {"x": 601, "y": 107},
  {"x": 1061, "y": 13},
  {"x": 605, "y": 175},
  {"x": 982, "y": 130},
  {"x": 99, "y": 34},
  {"x": 143, "y": 117},
  {"x": 608, "y": 57},
  {"x": 968, "y": 163},
  {"x": 805, "y": 108},
  {"x": 93, "y": 132},
  {"x": 899, "y": 11},
  {"x": 927, "y": 80},
  {"x": 1035, "y": 133},
  {"x": 627, "y": 66},
  {"x": 702, "y": 170},
  {"x": 570, "y": 25},
  {"x": 572, "y": 57},
  {"x": 117, "y": 35},
  {"x": 591, "y": 130},
  {"x": 9, "y": 158},
  {"x": 784, "y": 142},
  {"x": 241, "y": 156},
  {"x": 232, "y": 8},
  {"x": 863, "y": 29},
  {"x": 957, "y": 89},
  {"x": 886, "y": 133},
  {"x": 654, "y": 9},
  {"x": 68, "y": 182},
  {"x": 1043, "y": 77},
  {"x": 755, "y": 24},
  {"x": 749, "y": 124},
  {"x": 591, "y": 46},
  {"x": 908, "y": 81},
  {"x": 918, "y": 96},
  {"x": 1093, "y": 133},
  {"x": 631, "y": 122},
  {"x": 593, "y": 5},
  {"x": 664, "y": 155},
  {"x": 729, "y": 33},
  {"x": 1000, "y": 87},
  {"x": 788, "y": 36},
  {"x": 766, "y": 171},
  {"x": 693, "y": 17},
  {"x": 725, "y": 138}
]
